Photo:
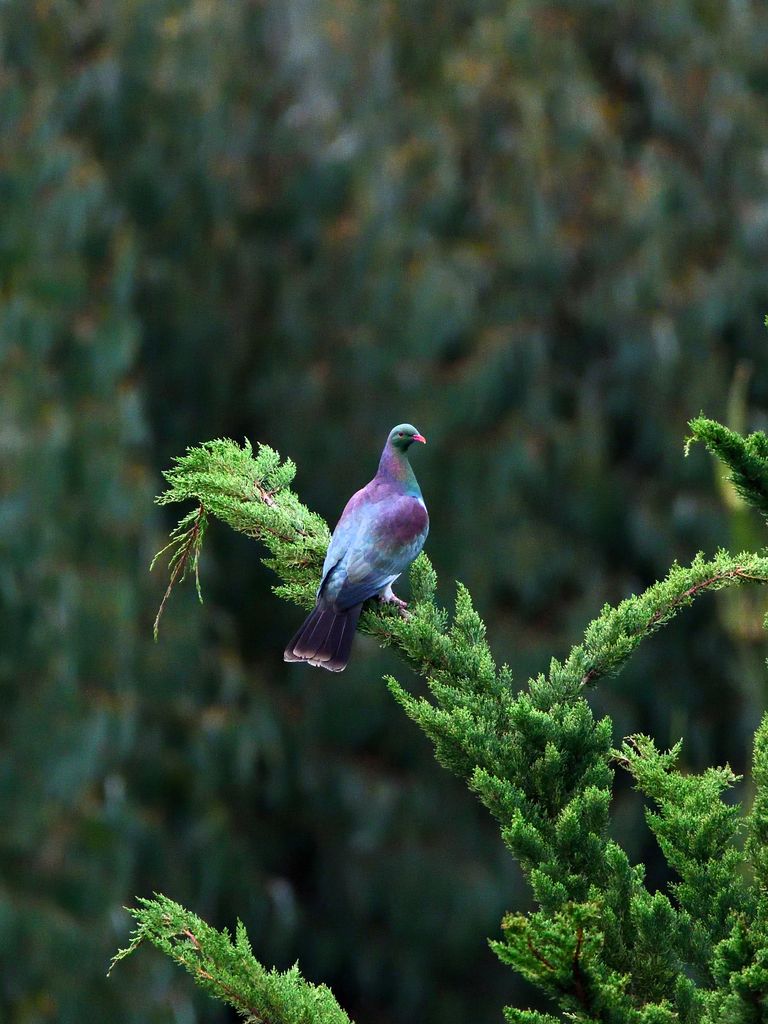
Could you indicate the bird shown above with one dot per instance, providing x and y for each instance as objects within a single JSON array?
[{"x": 381, "y": 530}]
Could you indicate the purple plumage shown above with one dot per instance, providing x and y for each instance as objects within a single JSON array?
[{"x": 381, "y": 531}]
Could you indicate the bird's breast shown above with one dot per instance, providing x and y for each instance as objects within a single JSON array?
[{"x": 407, "y": 520}]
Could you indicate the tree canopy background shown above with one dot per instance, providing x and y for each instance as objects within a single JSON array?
[{"x": 537, "y": 231}]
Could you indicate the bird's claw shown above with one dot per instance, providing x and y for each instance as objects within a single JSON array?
[{"x": 402, "y": 606}]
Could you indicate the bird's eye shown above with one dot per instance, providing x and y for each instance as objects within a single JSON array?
[{"x": 399, "y": 433}]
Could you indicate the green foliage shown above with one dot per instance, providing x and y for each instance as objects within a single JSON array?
[
  {"x": 600, "y": 945},
  {"x": 745, "y": 457},
  {"x": 697, "y": 832},
  {"x": 514, "y": 1016},
  {"x": 253, "y": 496},
  {"x": 740, "y": 972},
  {"x": 227, "y": 968},
  {"x": 757, "y": 843}
]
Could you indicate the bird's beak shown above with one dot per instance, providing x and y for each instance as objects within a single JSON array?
[{"x": 420, "y": 437}]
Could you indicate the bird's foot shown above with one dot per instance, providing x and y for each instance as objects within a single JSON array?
[{"x": 388, "y": 597}]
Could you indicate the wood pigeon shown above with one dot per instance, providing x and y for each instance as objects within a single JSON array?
[{"x": 381, "y": 531}]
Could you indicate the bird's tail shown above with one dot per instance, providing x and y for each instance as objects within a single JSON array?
[{"x": 325, "y": 637}]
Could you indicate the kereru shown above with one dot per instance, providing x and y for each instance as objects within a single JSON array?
[{"x": 381, "y": 531}]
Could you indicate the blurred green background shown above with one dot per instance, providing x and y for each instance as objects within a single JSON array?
[{"x": 537, "y": 230}]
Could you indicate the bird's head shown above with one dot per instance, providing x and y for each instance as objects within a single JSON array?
[{"x": 403, "y": 436}]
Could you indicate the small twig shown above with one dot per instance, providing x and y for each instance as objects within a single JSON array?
[
  {"x": 232, "y": 994},
  {"x": 578, "y": 977},
  {"x": 264, "y": 495},
  {"x": 181, "y": 559},
  {"x": 539, "y": 956},
  {"x": 590, "y": 675},
  {"x": 191, "y": 937},
  {"x": 692, "y": 591}
]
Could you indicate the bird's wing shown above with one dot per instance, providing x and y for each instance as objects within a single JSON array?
[
  {"x": 346, "y": 529},
  {"x": 381, "y": 542}
]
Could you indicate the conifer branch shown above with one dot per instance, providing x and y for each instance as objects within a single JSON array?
[
  {"x": 227, "y": 969},
  {"x": 600, "y": 944},
  {"x": 746, "y": 458},
  {"x": 698, "y": 833}
]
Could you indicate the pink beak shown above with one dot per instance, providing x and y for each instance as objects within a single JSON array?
[{"x": 420, "y": 437}]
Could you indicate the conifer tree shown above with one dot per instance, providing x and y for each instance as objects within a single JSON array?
[{"x": 600, "y": 944}]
